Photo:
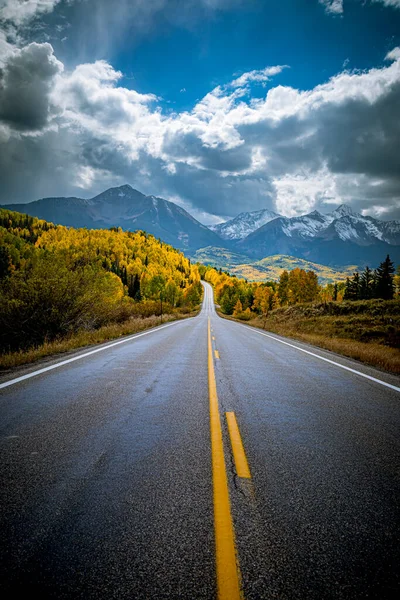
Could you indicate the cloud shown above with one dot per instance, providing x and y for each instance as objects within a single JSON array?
[
  {"x": 260, "y": 76},
  {"x": 333, "y": 6},
  {"x": 290, "y": 151},
  {"x": 393, "y": 3},
  {"x": 21, "y": 11},
  {"x": 26, "y": 83}
]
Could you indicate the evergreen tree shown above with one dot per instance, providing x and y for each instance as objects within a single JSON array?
[
  {"x": 352, "y": 289},
  {"x": 366, "y": 290},
  {"x": 134, "y": 288},
  {"x": 335, "y": 292},
  {"x": 384, "y": 280}
]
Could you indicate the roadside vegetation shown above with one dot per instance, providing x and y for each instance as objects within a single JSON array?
[
  {"x": 359, "y": 318},
  {"x": 61, "y": 288}
]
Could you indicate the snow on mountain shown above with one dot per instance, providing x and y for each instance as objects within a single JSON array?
[
  {"x": 245, "y": 223},
  {"x": 307, "y": 226},
  {"x": 351, "y": 226},
  {"x": 342, "y": 211}
]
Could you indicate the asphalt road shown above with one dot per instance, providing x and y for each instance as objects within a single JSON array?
[{"x": 108, "y": 486}]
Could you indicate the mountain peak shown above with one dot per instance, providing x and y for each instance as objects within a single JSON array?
[{"x": 343, "y": 211}]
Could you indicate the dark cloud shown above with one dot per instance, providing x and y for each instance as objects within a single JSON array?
[
  {"x": 189, "y": 145},
  {"x": 361, "y": 137},
  {"x": 26, "y": 83}
]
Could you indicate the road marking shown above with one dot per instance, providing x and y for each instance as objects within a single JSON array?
[
  {"x": 213, "y": 337},
  {"x": 332, "y": 362},
  {"x": 70, "y": 360},
  {"x": 239, "y": 455},
  {"x": 228, "y": 574},
  {"x": 216, "y": 353}
]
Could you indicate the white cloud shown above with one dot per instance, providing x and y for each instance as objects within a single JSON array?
[
  {"x": 21, "y": 11},
  {"x": 292, "y": 150},
  {"x": 393, "y": 3},
  {"x": 333, "y": 6},
  {"x": 299, "y": 193},
  {"x": 260, "y": 76}
]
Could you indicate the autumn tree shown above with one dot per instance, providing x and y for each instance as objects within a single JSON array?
[
  {"x": 238, "y": 308},
  {"x": 283, "y": 288}
]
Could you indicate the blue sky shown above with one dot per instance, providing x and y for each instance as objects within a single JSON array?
[{"x": 218, "y": 105}]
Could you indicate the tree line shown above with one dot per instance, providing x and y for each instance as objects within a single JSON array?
[
  {"x": 379, "y": 283},
  {"x": 245, "y": 300},
  {"x": 55, "y": 280}
]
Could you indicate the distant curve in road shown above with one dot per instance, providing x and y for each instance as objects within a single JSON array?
[{"x": 113, "y": 465}]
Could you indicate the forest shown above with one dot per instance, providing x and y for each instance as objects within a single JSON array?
[
  {"x": 246, "y": 300},
  {"x": 56, "y": 281}
]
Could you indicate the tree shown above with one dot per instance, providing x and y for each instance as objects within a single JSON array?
[
  {"x": 352, "y": 288},
  {"x": 384, "y": 280},
  {"x": 283, "y": 288},
  {"x": 238, "y": 308},
  {"x": 366, "y": 289},
  {"x": 157, "y": 287},
  {"x": 5, "y": 262},
  {"x": 264, "y": 301},
  {"x": 134, "y": 288}
]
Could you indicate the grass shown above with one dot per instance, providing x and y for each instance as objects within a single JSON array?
[
  {"x": 368, "y": 331},
  {"x": 86, "y": 338}
]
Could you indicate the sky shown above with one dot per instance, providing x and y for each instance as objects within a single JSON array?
[{"x": 221, "y": 106}]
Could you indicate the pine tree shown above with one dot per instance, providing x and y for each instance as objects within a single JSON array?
[
  {"x": 352, "y": 288},
  {"x": 134, "y": 288},
  {"x": 366, "y": 290},
  {"x": 335, "y": 292},
  {"x": 384, "y": 280}
]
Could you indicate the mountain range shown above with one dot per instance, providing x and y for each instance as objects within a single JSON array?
[
  {"x": 337, "y": 239},
  {"x": 127, "y": 208}
]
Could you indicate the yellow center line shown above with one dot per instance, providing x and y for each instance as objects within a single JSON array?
[
  {"x": 228, "y": 573},
  {"x": 239, "y": 455},
  {"x": 216, "y": 353}
]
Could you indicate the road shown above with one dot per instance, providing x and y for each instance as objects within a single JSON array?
[{"x": 118, "y": 478}]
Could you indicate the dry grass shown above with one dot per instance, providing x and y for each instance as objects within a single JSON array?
[
  {"x": 367, "y": 331},
  {"x": 86, "y": 338}
]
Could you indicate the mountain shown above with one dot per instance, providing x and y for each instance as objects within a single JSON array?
[
  {"x": 268, "y": 268},
  {"x": 244, "y": 224},
  {"x": 127, "y": 208},
  {"x": 339, "y": 238}
]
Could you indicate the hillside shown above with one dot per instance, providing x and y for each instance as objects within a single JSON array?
[
  {"x": 127, "y": 208},
  {"x": 268, "y": 268},
  {"x": 56, "y": 281}
]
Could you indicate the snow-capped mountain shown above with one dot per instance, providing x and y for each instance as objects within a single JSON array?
[
  {"x": 127, "y": 208},
  {"x": 244, "y": 224},
  {"x": 339, "y": 238}
]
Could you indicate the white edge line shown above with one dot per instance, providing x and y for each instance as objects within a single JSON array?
[
  {"x": 70, "y": 360},
  {"x": 332, "y": 362}
]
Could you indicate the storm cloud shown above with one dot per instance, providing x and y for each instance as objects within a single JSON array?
[{"x": 26, "y": 83}]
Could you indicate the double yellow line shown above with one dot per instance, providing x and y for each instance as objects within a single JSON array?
[{"x": 228, "y": 571}]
